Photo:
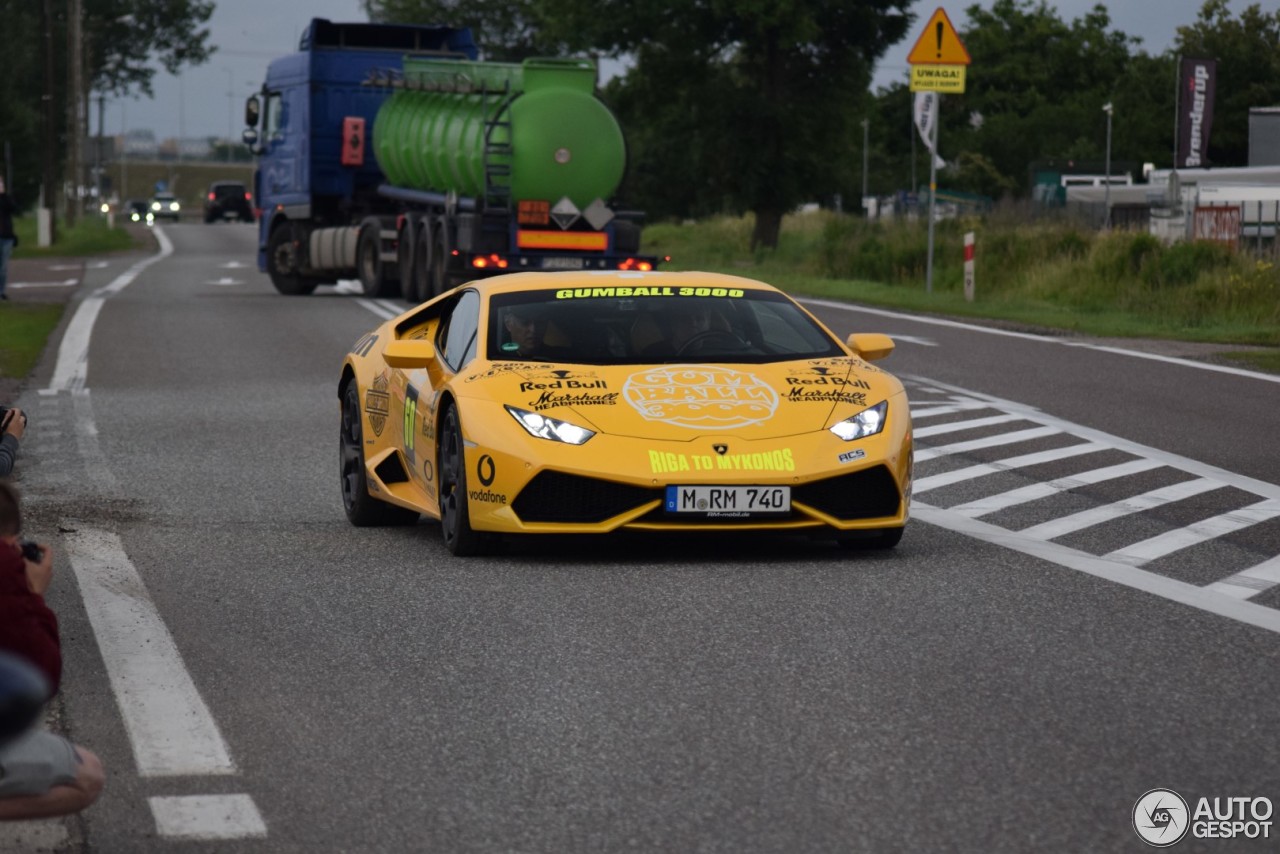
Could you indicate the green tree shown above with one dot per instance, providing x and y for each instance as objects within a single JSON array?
[
  {"x": 125, "y": 38},
  {"x": 1248, "y": 53},
  {"x": 1035, "y": 89},
  {"x": 745, "y": 105},
  {"x": 769, "y": 94},
  {"x": 505, "y": 30},
  {"x": 123, "y": 41}
]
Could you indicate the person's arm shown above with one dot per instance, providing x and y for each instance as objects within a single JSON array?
[{"x": 8, "y": 453}]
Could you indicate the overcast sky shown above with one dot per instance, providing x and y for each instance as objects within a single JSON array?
[{"x": 208, "y": 100}]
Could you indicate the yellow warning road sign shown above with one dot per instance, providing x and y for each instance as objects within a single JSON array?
[
  {"x": 938, "y": 78},
  {"x": 939, "y": 44}
]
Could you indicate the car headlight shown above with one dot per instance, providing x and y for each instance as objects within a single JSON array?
[
  {"x": 550, "y": 428},
  {"x": 868, "y": 422},
  {"x": 155, "y": 206},
  {"x": 173, "y": 206}
]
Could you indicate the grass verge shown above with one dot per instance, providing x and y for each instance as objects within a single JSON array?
[
  {"x": 1048, "y": 275},
  {"x": 24, "y": 329},
  {"x": 89, "y": 236}
]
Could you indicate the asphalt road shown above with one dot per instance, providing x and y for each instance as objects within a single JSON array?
[{"x": 963, "y": 692}]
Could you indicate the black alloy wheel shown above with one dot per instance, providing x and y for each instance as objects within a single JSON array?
[
  {"x": 363, "y": 510},
  {"x": 455, "y": 517}
]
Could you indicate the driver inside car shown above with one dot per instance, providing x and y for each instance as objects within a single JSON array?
[{"x": 675, "y": 329}]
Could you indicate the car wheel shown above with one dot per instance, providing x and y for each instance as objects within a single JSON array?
[
  {"x": 363, "y": 510},
  {"x": 872, "y": 540},
  {"x": 455, "y": 518},
  {"x": 282, "y": 263}
]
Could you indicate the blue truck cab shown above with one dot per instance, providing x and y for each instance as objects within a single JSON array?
[
  {"x": 329, "y": 212},
  {"x": 309, "y": 99}
]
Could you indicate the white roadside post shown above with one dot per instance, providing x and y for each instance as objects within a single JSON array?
[{"x": 968, "y": 266}]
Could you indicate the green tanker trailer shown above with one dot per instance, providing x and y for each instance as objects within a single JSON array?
[{"x": 389, "y": 153}]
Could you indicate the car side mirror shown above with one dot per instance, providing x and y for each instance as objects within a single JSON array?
[
  {"x": 252, "y": 109},
  {"x": 250, "y": 137},
  {"x": 870, "y": 345},
  {"x": 409, "y": 353}
]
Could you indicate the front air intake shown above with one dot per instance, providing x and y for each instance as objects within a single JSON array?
[
  {"x": 868, "y": 494},
  {"x": 554, "y": 496}
]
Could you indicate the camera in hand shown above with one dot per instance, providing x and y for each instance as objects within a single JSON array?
[
  {"x": 31, "y": 551},
  {"x": 4, "y": 417}
]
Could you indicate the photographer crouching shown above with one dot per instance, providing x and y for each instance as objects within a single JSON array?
[{"x": 41, "y": 774}]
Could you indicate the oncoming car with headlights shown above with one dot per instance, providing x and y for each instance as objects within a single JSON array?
[
  {"x": 575, "y": 402},
  {"x": 166, "y": 206}
]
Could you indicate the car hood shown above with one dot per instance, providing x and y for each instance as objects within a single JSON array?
[{"x": 684, "y": 402}]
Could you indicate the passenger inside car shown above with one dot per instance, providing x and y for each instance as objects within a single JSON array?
[{"x": 531, "y": 335}]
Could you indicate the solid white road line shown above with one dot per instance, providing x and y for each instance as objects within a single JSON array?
[
  {"x": 73, "y": 353},
  {"x": 1044, "y": 339},
  {"x": 1181, "y": 538},
  {"x": 1139, "y": 579},
  {"x": 170, "y": 728},
  {"x": 947, "y": 478},
  {"x": 924, "y": 454},
  {"x": 1055, "y": 528},
  {"x": 1034, "y": 491},
  {"x": 207, "y": 817},
  {"x": 956, "y": 426},
  {"x": 1249, "y": 582}
]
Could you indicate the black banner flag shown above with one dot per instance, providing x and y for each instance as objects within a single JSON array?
[{"x": 1196, "y": 79}]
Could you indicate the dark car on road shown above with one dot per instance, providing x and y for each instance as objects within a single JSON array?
[
  {"x": 228, "y": 200},
  {"x": 138, "y": 210}
]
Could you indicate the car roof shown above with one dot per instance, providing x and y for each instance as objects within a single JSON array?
[{"x": 226, "y": 184}]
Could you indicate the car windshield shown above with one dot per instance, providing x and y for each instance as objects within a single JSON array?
[
  {"x": 224, "y": 190},
  {"x": 645, "y": 325}
]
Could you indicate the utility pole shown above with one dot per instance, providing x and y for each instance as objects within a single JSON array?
[
  {"x": 231, "y": 110},
  {"x": 865, "y": 125},
  {"x": 75, "y": 85},
  {"x": 98, "y": 165},
  {"x": 48, "y": 166}
]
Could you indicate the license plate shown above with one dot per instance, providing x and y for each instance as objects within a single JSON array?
[
  {"x": 558, "y": 263},
  {"x": 729, "y": 502}
]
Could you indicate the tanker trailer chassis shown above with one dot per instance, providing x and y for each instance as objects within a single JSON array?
[{"x": 416, "y": 174}]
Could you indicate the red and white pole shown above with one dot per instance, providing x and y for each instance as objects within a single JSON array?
[{"x": 968, "y": 266}]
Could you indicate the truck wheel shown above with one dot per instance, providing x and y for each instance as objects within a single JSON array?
[
  {"x": 406, "y": 258},
  {"x": 282, "y": 262},
  {"x": 369, "y": 258},
  {"x": 422, "y": 256},
  {"x": 443, "y": 276}
]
